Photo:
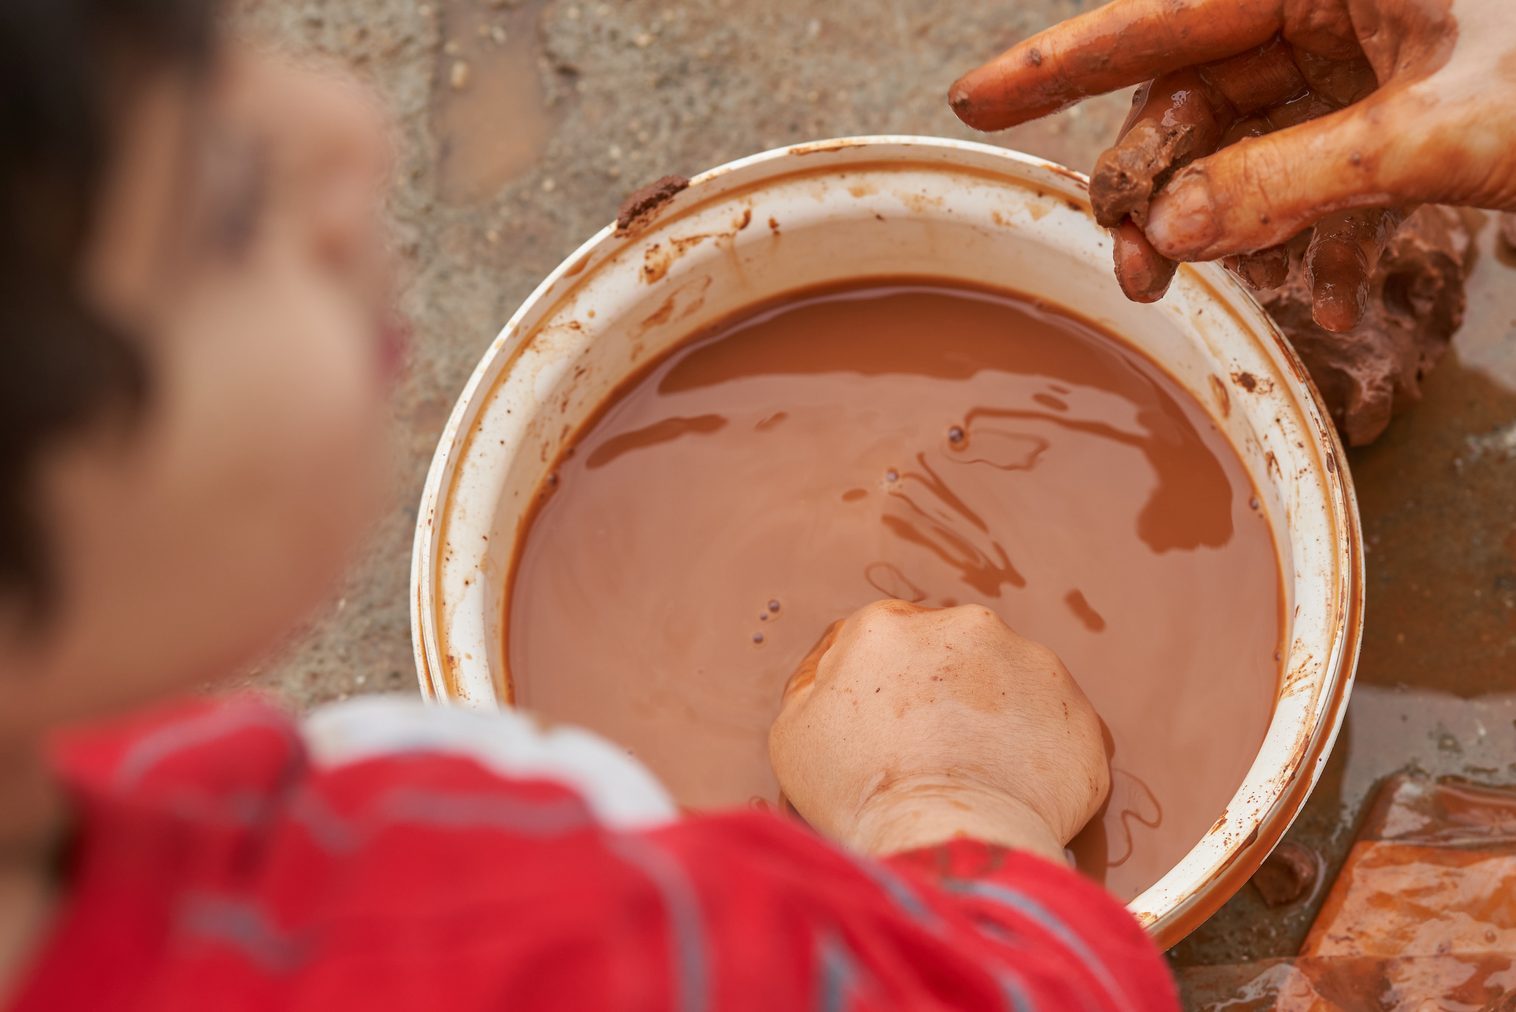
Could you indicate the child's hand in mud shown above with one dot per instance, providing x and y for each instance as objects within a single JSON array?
[
  {"x": 1261, "y": 119},
  {"x": 908, "y": 727}
]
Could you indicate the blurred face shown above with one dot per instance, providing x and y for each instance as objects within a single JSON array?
[{"x": 238, "y": 240}]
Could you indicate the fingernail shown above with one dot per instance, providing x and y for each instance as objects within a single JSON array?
[
  {"x": 1338, "y": 308},
  {"x": 1143, "y": 276},
  {"x": 1182, "y": 221},
  {"x": 960, "y": 98}
]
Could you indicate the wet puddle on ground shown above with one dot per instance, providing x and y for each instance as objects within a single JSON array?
[
  {"x": 1436, "y": 686},
  {"x": 489, "y": 111}
]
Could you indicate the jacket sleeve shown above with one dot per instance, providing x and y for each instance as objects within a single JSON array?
[{"x": 771, "y": 909}]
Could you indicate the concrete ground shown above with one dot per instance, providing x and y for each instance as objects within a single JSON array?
[{"x": 520, "y": 125}]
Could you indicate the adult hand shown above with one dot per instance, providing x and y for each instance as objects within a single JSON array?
[
  {"x": 908, "y": 727},
  {"x": 1262, "y": 118}
]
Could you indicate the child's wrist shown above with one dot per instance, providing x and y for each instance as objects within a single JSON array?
[{"x": 925, "y": 812}]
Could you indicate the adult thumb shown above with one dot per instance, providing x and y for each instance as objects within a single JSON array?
[{"x": 1261, "y": 191}]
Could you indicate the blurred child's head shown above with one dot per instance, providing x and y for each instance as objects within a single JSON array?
[{"x": 195, "y": 333}]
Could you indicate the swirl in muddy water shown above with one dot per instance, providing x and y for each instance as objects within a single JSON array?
[{"x": 911, "y": 439}]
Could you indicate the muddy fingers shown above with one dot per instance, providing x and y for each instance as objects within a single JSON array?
[
  {"x": 1340, "y": 262},
  {"x": 1261, "y": 271},
  {"x": 1116, "y": 46},
  {"x": 1143, "y": 273},
  {"x": 1174, "y": 120}
]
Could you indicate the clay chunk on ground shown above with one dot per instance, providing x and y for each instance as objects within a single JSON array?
[{"x": 1416, "y": 303}]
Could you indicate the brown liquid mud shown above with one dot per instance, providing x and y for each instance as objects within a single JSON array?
[{"x": 939, "y": 444}]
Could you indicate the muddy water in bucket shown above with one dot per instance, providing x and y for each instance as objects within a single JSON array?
[{"x": 914, "y": 440}]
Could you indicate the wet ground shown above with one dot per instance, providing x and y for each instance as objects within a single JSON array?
[
  {"x": 521, "y": 123},
  {"x": 1436, "y": 684}
]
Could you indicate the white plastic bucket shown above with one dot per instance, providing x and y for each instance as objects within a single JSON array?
[{"x": 877, "y": 206}]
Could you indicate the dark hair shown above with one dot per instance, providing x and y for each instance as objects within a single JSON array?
[{"x": 68, "y": 70}]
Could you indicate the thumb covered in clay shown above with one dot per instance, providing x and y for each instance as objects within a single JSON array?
[
  {"x": 1261, "y": 191},
  {"x": 1393, "y": 149}
]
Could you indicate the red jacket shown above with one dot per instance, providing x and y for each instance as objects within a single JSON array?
[{"x": 215, "y": 867}]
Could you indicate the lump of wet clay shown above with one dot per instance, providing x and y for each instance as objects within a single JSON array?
[{"x": 1416, "y": 302}]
